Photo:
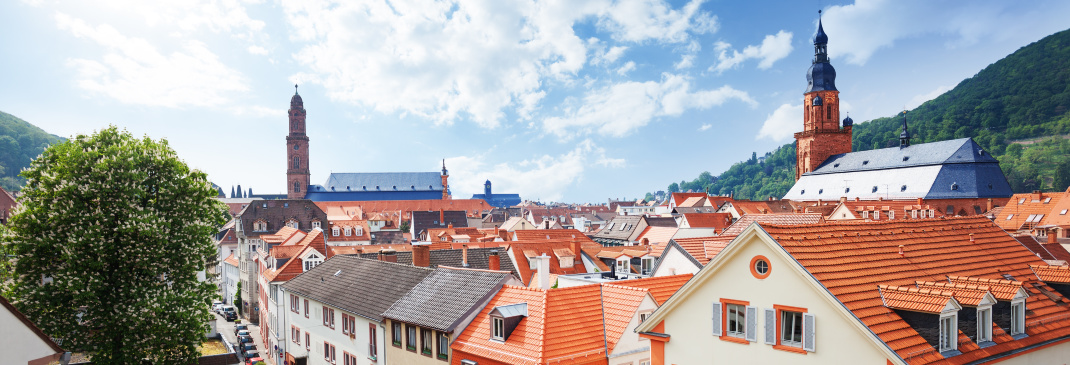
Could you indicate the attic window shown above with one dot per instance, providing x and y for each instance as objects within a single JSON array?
[
  {"x": 819, "y": 191},
  {"x": 1063, "y": 212},
  {"x": 504, "y": 319},
  {"x": 1048, "y": 200},
  {"x": 803, "y": 191},
  {"x": 1010, "y": 216},
  {"x": 906, "y": 158},
  {"x": 836, "y": 165},
  {"x": 903, "y": 188},
  {"x": 1021, "y": 201},
  {"x": 954, "y": 186},
  {"x": 866, "y": 162},
  {"x": 874, "y": 189}
]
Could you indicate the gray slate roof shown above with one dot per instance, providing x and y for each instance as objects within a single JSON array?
[
  {"x": 614, "y": 232},
  {"x": 385, "y": 181},
  {"x": 363, "y": 287},
  {"x": 962, "y": 150},
  {"x": 446, "y": 297},
  {"x": 478, "y": 258}
]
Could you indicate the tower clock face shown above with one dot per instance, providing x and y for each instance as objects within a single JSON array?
[{"x": 297, "y": 147}]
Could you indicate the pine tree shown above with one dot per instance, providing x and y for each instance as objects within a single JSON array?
[{"x": 111, "y": 237}]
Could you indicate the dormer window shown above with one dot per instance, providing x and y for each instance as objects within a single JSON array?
[
  {"x": 504, "y": 319},
  {"x": 315, "y": 224},
  {"x": 335, "y": 231},
  {"x": 348, "y": 231},
  {"x": 984, "y": 324},
  {"x": 497, "y": 331},
  {"x": 949, "y": 329},
  {"x": 259, "y": 226},
  {"x": 623, "y": 265},
  {"x": 358, "y": 231},
  {"x": 292, "y": 224},
  {"x": 311, "y": 261}
]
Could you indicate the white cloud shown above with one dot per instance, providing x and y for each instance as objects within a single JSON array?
[
  {"x": 773, "y": 48},
  {"x": 447, "y": 60},
  {"x": 257, "y": 50},
  {"x": 543, "y": 177},
  {"x": 782, "y": 124},
  {"x": 705, "y": 127},
  {"x": 628, "y": 67},
  {"x": 921, "y": 99},
  {"x": 620, "y": 108},
  {"x": 856, "y": 31},
  {"x": 133, "y": 71}
]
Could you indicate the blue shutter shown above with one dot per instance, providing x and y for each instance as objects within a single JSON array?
[
  {"x": 770, "y": 326},
  {"x": 808, "y": 332},
  {"x": 752, "y": 324},
  {"x": 717, "y": 319}
]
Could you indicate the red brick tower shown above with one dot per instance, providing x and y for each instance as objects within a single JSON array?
[
  {"x": 822, "y": 136},
  {"x": 297, "y": 174},
  {"x": 445, "y": 182}
]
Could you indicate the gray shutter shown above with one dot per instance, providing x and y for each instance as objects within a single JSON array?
[
  {"x": 770, "y": 326},
  {"x": 808, "y": 332},
  {"x": 717, "y": 319},
  {"x": 752, "y": 324}
]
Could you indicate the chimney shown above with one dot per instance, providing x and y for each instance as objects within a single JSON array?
[
  {"x": 1039, "y": 195},
  {"x": 360, "y": 251},
  {"x": 920, "y": 200},
  {"x": 388, "y": 255},
  {"x": 494, "y": 262},
  {"x": 1053, "y": 235},
  {"x": 858, "y": 199},
  {"x": 989, "y": 205},
  {"x": 421, "y": 255},
  {"x": 464, "y": 255},
  {"x": 442, "y": 216},
  {"x": 543, "y": 264},
  {"x": 901, "y": 251},
  {"x": 843, "y": 199},
  {"x": 576, "y": 247},
  {"x": 971, "y": 237}
]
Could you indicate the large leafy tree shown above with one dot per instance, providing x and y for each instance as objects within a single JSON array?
[{"x": 111, "y": 245}]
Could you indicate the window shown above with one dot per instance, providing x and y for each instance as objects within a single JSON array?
[
  {"x": 948, "y": 333},
  {"x": 297, "y": 163},
  {"x": 891, "y": 214},
  {"x": 984, "y": 324},
  {"x": 932, "y": 213},
  {"x": 358, "y": 231},
  {"x": 648, "y": 264},
  {"x": 315, "y": 224},
  {"x": 914, "y": 214},
  {"x": 443, "y": 346},
  {"x": 736, "y": 324},
  {"x": 373, "y": 351},
  {"x": 328, "y": 352},
  {"x": 259, "y": 226},
  {"x": 865, "y": 214},
  {"x": 410, "y": 339},
  {"x": 426, "y": 341},
  {"x": 497, "y": 328},
  {"x": 610, "y": 225},
  {"x": 348, "y": 231},
  {"x": 345, "y": 324},
  {"x": 1010, "y": 216},
  {"x": 876, "y": 214},
  {"x": 1062, "y": 212},
  {"x": 328, "y": 317},
  {"x": 643, "y": 316},
  {"x": 622, "y": 265},
  {"x": 334, "y": 231},
  {"x": 349, "y": 358},
  {"x": 308, "y": 342},
  {"x": 791, "y": 328},
  {"x": 1017, "y": 317},
  {"x": 396, "y": 329},
  {"x": 306, "y": 308},
  {"x": 297, "y": 189}
]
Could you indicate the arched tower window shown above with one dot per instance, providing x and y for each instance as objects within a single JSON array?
[
  {"x": 297, "y": 163},
  {"x": 297, "y": 188}
]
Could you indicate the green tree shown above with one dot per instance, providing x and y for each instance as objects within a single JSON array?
[{"x": 109, "y": 242}]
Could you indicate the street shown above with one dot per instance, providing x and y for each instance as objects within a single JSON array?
[{"x": 226, "y": 328}]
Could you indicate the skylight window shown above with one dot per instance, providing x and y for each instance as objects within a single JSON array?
[
  {"x": 1021, "y": 201},
  {"x": 903, "y": 188},
  {"x": 874, "y": 188},
  {"x": 1048, "y": 200},
  {"x": 1010, "y": 216},
  {"x": 866, "y": 162},
  {"x": 1063, "y": 212},
  {"x": 906, "y": 158}
]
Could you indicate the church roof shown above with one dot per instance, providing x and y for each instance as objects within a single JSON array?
[
  {"x": 384, "y": 181},
  {"x": 939, "y": 170}
]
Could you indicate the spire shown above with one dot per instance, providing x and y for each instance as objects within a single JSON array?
[
  {"x": 295, "y": 89},
  {"x": 904, "y": 136},
  {"x": 295, "y": 101},
  {"x": 444, "y": 172},
  {"x": 820, "y": 37},
  {"x": 821, "y": 75}
]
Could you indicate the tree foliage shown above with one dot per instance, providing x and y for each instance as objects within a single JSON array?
[
  {"x": 108, "y": 243},
  {"x": 20, "y": 143},
  {"x": 1023, "y": 96}
]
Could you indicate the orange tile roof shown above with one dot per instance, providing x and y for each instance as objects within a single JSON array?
[
  {"x": 718, "y": 221},
  {"x": 472, "y": 207},
  {"x": 786, "y": 218},
  {"x": 351, "y": 250},
  {"x": 314, "y": 240},
  {"x": 1004, "y": 290},
  {"x": 851, "y": 259},
  {"x": 661, "y": 287},
  {"x": 550, "y": 234},
  {"x": 619, "y": 304},
  {"x": 745, "y": 207},
  {"x": 365, "y": 231},
  {"x": 282, "y": 236},
  {"x": 915, "y": 299},
  {"x": 970, "y": 294},
  {"x": 1023, "y": 206},
  {"x": 657, "y": 235},
  {"x": 680, "y": 198},
  {"x": 704, "y": 249},
  {"x": 1052, "y": 274},
  {"x": 521, "y": 250},
  {"x": 231, "y": 260},
  {"x": 695, "y": 201},
  {"x": 564, "y": 252},
  {"x": 1057, "y": 216}
]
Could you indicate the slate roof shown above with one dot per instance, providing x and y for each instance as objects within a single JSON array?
[
  {"x": 939, "y": 170},
  {"x": 446, "y": 297},
  {"x": 356, "y": 285},
  {"x": 612, "y": 229},
  {"x": 661, "y": 221},
  {"x": 277, "y": 212},
  {"x": 478, "y": 258},
  {"x": 1032, "y": 244},
  {"x": 422, "y": 221},
  {"x": 384, "y": 181},
  {"x": 851, "y": 259}
]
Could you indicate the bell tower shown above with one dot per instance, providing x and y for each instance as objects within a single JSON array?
[
  {"x": 297, "y": 173},
  {"x": 822, "y": 135}
]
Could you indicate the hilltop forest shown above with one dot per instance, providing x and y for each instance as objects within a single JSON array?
[
  {"x": 1017, "y": 108},
  {"x": 20, "y": 143}
]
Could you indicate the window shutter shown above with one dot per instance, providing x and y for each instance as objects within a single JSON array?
[
  {"x": 717, "y": 319},
  {"x": 808, "y": 332},
  {"x": 752, "y": 324},
  {"x": 770, "y": 326}
]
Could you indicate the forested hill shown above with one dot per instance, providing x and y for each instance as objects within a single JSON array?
[
  {"x": 1017, "y": 108},
  {"x": 20, "y": 143}
]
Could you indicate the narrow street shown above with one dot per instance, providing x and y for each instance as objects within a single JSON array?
[{"x": 226, "y": 328}]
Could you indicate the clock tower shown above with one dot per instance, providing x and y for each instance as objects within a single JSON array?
[
  {"x": 297, "y": 174},
  {"x": 822, "y": 135}
]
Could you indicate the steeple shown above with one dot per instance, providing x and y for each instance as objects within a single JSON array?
[
  {"x": 297, "y": 173},
  {"x": 904, "y": 136},
  {"x": 821, "y": 75},
  {"x": 822, "y": 135}
]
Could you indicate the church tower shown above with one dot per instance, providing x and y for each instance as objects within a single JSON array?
[
  {"x": 297, "y": 174},
  {"x": 822, "y": 135}
]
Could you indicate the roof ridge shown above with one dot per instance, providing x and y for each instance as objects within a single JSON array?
[{"x": 473, "y": 269}]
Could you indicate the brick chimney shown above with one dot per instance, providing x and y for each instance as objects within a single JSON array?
[
  {"x": 442, "y": 216},
  {"x": 1039, "y": 195},
  {"x": 1053, "y": 235},
  {"x": 388, "y": 255},
  {"x": 921, "y": 201},
  {"x": 421, "y": 255},
  {"x": 843, "y": 199},
  {"x": 989, "y": 205},
  {"x": 577, "y": 246},
  {"x": 464, "y": 255},
  {"x": 494, "y": 261}
]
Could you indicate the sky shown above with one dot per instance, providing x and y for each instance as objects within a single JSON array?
[{"x": 558, "y": 101}]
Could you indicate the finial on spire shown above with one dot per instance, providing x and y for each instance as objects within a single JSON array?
[
  {"x": 904, "y": 136},
  {"x": 295, "y": 89}
]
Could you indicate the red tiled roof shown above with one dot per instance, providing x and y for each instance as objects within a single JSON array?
[
  {"x": 915, "y": 299},
  {"x": 231, "y": 260},
  {"x": 472, "y": 207},
  {"x": 748, "y": 207},
  {"x": 786, "y": 218},
  {"x": 695, "y": 201},
  {"x": 657, "y": 235},
  {"x": 1023, "y": 206},
  {"x": 970, "y": 294},
  {"x": 1004, "y": 290},
  {"x": 314, "y": 240},
  {"x": 365, "y": 231},
  {"x": 718, "y": 221},
  {"x": 550, "y": 234},
  {"x": 1052, "y": 274},
  {"x": 521, "y": 250},
  {"x": 679, "y": 198},
  {"x": 352, "y": 250},
  {"x": 660, "y": 287},
  {"x": 619, "y": 304},
  {"x": 704, "y": 249},
  {"x": 851, "y": 259}
]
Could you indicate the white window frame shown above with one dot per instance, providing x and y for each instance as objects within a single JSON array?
[
  {"x": 914, "y": 214},
  {"x": 315, "y": 224},
  {"x": 784, "y": 328},
  {"x": 647, "y": 265},
  {"x": 984, "y": 324},
  {"x": 1017, "y": 317},
  {"x": 865, "y": 214},
  {"x": 293, "y": 224},
  {"x": 348, "y": 231},
  {"x": 949, "y": 332},
  {"x": 891, "y": 214},
  {"x": 623, "y": 265},
  {"x": 876, "y": 215},
  {"x": 497, "y": 329},
  {"x": 740, "y": 317}
]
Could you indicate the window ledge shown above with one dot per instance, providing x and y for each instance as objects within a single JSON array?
[
  {"x": 986, "y": 344},
  {"x": 797, "y": 350},
  {"x": 735, "y": 339},
  {"x": 1020, "y": 336}
]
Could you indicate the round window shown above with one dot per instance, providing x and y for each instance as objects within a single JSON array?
[{"x": 759, "y": 267}]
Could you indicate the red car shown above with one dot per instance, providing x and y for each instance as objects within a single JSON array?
[{"x": 252, "y": 361}]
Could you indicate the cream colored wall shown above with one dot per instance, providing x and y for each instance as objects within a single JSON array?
[
  {"x": 841, "y": 213},
  {"x": 630, "y": 348},
  {"x": 18, "y": 343},
  {"x": 674, "y": 259},
  {"x": 401, "y": 356},
  {"x": 689, "y": 324},
  {"x": 1058, "y": 354}
]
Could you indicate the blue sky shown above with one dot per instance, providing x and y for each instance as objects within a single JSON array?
[{"x": 567, "y": 100}]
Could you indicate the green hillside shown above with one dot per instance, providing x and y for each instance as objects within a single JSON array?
[
  {"x": 1017, "y": 108},
  {"x": 20, "y": 143}
]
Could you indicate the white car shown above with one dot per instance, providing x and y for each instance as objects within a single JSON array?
[{"x": 217, "y": 306}]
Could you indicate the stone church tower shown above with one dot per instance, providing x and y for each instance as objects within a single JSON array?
[
  {"x": 297, "y": 174},
  {"x": 822, "y": 135}
]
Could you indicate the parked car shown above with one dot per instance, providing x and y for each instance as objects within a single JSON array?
[
  {"x": 217, "y": 306},
  {"x": 230, "y": 313},
  {"x": 245, "y": 349},
  {"x": 253, "y": 360},
  {"x": 245, "y": 339},
  {"x": 244, "y": 332},
  {"x": 240, "y": 327}
]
